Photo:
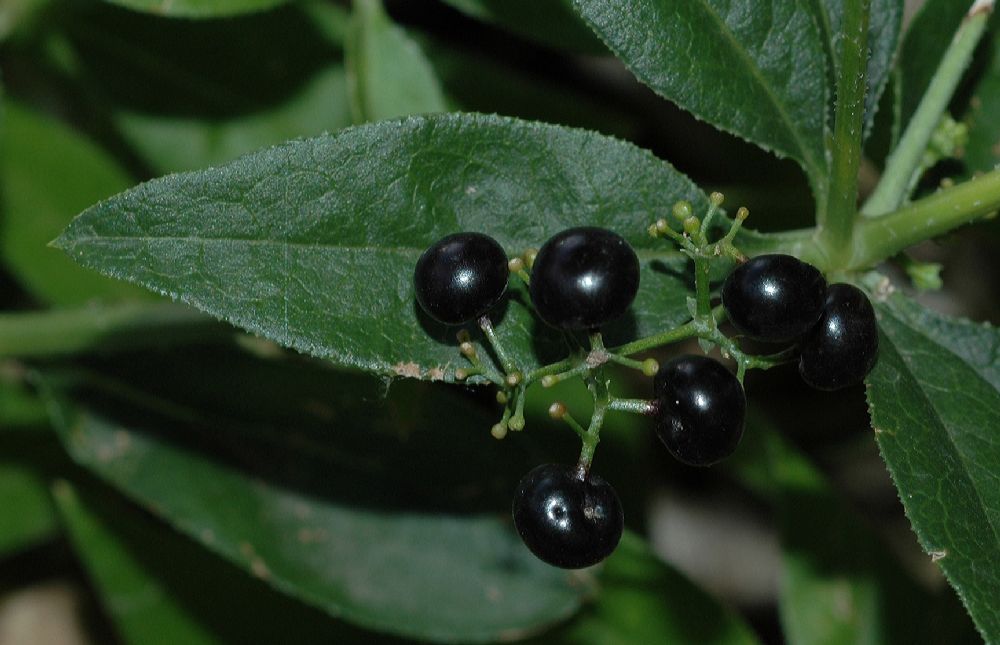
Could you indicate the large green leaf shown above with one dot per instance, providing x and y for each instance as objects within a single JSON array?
[
  {"x": 367, "y": 507},
  {"x": 840, "y": 583},
  {"x": 552, "y": 22},
  {"x": 754, "y": 68},
  {"x": 160, "y": 587},
  {"x": 934, "y": 398},
  {"x": 313, "y": 243},
  {"x": 198, "y": 8},
  {"x": 47, "y": 174},
  {"x": 388, "y": 74}
]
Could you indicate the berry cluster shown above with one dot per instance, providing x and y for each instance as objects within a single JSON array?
[
  {"x": 780, "y": 299},
  {"x": 586, "y": 277}
]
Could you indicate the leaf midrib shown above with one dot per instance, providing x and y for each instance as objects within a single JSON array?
[
  {"x": 645, "y": 254},
  {"x": 755, "y": 73}
]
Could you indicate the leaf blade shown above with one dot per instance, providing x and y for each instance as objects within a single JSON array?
[
  {"x": 388, "y": 74},
  {"x": 312, "y": 243},
  {"x": 933, "y": 398},
  {"x": 342, "y": 515},
  {"x": 765, "y": 81},
  {"x": 49, "y": 172}
]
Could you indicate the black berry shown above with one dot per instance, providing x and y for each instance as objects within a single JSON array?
[
  {"x": 774, "y": 298},
  {"x": 460, "y": 277},
  {"x": 700, "y": 409},
  {"x": 583, "y": 278},
  {"x": 565, "y": 519},
  {"x": 842, "y": 348}
]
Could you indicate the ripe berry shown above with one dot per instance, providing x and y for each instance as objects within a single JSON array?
[
  {"x": 460, "y": 277},
  {"x": 774, "y": 298},
  {"x": 842, "y": 348},
  {"x": 583, "y": 278},
  {"x": 700, "y": 409},
  {"x": 567, "y": 520}
]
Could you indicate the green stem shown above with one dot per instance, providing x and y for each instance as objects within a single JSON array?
[
  {"x": 835, "y": 222},
  {"x": 635, "y": 406},
  {"x": 46, "y": 334},
  {"x": 689, "y": 329},
  {"x": 905, "y": 160},
  {"x": 592, "y": 436},
  {"x": 883, "y": 237},
  {"x": 487, "y": 326},
  {"x": 702, "y": 287}
]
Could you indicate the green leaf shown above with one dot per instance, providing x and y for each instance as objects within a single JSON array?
[
  {"x": 885, "y": 24},
  {"x": 754, "y": 68},
  {"x": 198, "y": 8},
  {"x": 314, "y": 483},
  {"x": 551, "y": 22},
  {"x": 934, "y": 399},
  {"x": 982, "y": 152},
  {"x": 840, "y": 583},
  {"x": 313, "y": 243},
  {"x": 47, "y": 174},
  {"x": 154, "y": 583},
  {"x": 237, "y": 85},
  {"x": 388, "y": 74},
  {"x": 640, "y": 602}
]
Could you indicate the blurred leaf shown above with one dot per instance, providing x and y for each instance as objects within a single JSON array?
[
  {"x": 934, "y": 399},
  {"x": 19, "y": 406},
  {"x": 26, "y": 513},
  {"x": 885, "y": 24},
  {"x": 478, "y": 82},
  {"x": 840, "y": 583},
  {"x": 387, "y": 72},
  {"x": 313, "y": 243},
  {"x": 551, "y": 22},
  {"x": 16, "y": 14},
  {"x": 47, "y": 174},
  {"x": 318, "y": 486},
  {"x": 755, "y": 68},
  {"x": 198, "y": 8},
  {"x": 928, "y": 36},
  {"x": 642, "y": 600},
  {"x": 982, "y": 152},
  {"x": 172, "y": 144},
  {"x": 96, "y": 329},
  {"x": 159, "y": 587},
  {"x": 237, "y": 85}
]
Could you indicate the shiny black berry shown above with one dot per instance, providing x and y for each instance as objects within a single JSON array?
[
  {"x": 584, "y": 277},
  {"x": 842, "y": 347},
  {"x": 700, "y": 409},
  {"x": 567, "y": 520},
  {"x": 460, "y": 277},
  {"x": 774, "y": 298}
]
